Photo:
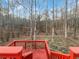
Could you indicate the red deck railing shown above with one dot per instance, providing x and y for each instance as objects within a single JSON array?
[
  {"x": 58, "y": 55},
  {"x": 30, "y": 45},
  {"x": 39, "y": 44},
  {"x": 36, "y": 49}
]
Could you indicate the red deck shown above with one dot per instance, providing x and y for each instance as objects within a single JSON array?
[
  {"x": 35, "y": 50},
  {"x": 38, "y": 48},
  {"x": 39, "y": 54},
  {"x": 10, "y": 50}
]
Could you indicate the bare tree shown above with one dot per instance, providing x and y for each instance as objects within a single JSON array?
[
  {"x": 0, "y": 5},
  {"x": 46, "y": 14},
  {"x": 31, "y": 23},
  {"x": 65, "y": 21},
  {"x": 62, "y": 17},
  {"x": 75, "y": 20},
  {"x": 53, "y": 21},
  {"x": 35, "y": 21}
]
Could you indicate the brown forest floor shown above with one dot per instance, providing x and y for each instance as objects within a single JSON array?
[{"x": 58, "y": 43}]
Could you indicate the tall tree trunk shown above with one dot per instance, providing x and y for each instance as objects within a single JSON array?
[
  {"x": 53, "y": 22},
  {"x": 31, "y": 23},
  {"x": 75, "y": 20},
  {"x": 35, "y": 23},
  {"x": 46, "y": 17},
  {"x": 8, "y": 19},
  {"x": 65, "y": 21}
]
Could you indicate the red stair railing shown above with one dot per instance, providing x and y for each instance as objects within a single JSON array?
[{"x": 58, "y": 55}]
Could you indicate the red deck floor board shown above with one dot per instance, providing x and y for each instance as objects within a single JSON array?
[{"x": 39, "y": 54}]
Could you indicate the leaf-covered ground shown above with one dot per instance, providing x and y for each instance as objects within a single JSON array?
[{"x": 58, "y": 43}]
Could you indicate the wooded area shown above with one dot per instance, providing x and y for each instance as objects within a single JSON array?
[{"x": 60, "y": 26}]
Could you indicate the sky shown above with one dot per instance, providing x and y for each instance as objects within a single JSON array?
[{"x": 23, "y": 12}]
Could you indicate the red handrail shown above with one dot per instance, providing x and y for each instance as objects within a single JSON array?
[
  {"x": 47, "y": 49},
  {"x": 11, "y": 43},
  {"x": 28, "y": 55},
  {"x": 50, "y": 54},
  {"x": 14, "y": 43},
  {"x": 58, "y": 55}
]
